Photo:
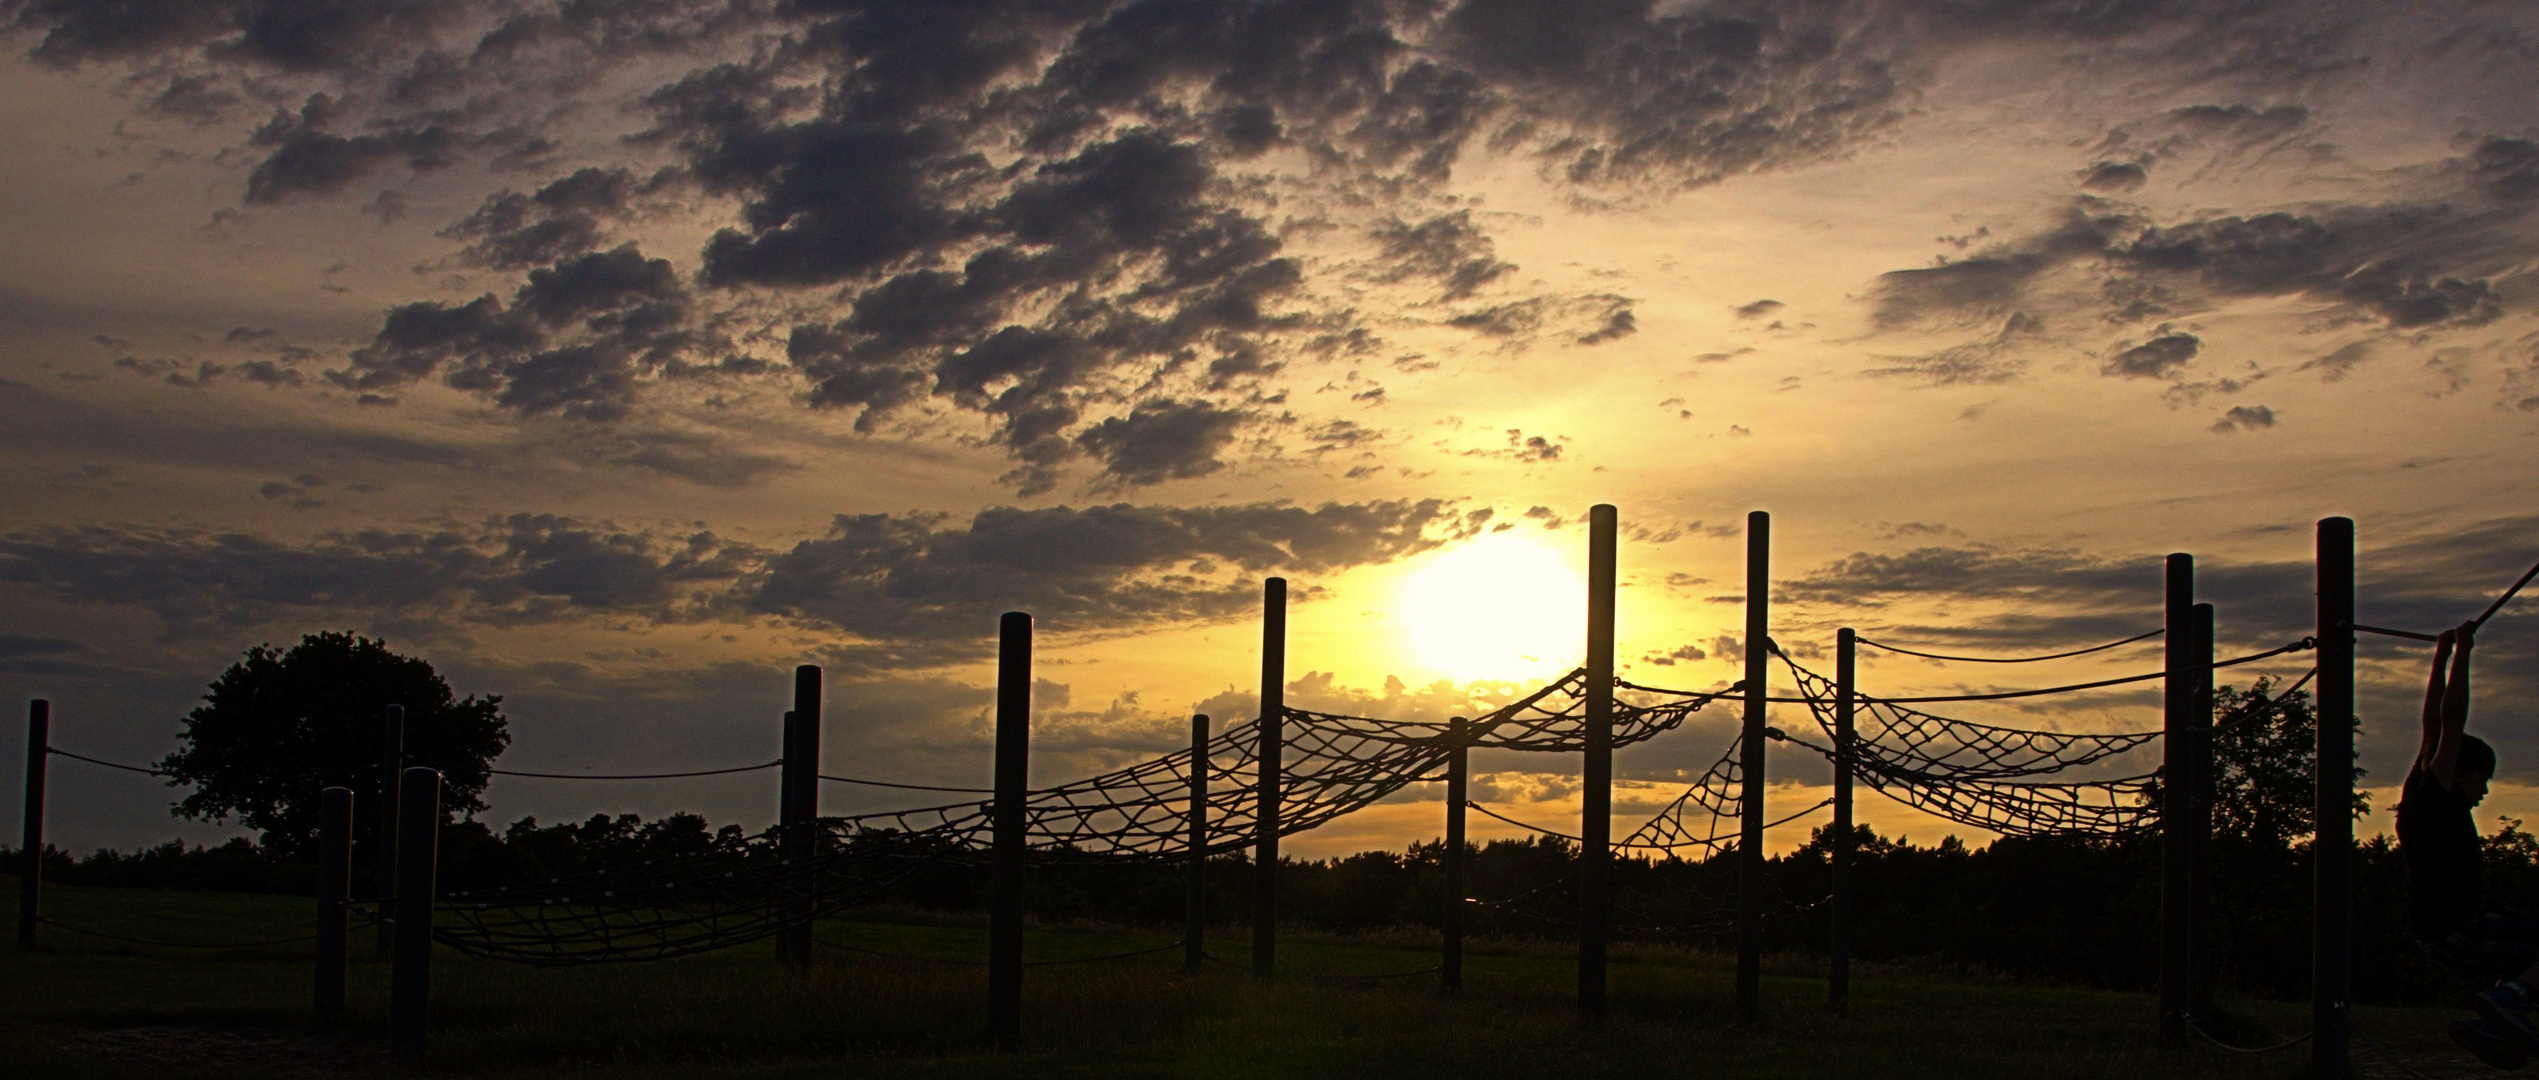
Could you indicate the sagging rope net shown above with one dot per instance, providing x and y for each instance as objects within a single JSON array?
[
  {"x": 1965, "y": 771},
  {"x": 745, "y": 889}
]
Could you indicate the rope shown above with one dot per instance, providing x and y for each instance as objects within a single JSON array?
[
  {"x": 2011, "y": 659},
  {"x": 1523, "y": 825},
  {"x": 2297, "y": 646},
  {"x": 1429, "y": 970},
  {"x": 60, "y": 925},
  {"x": 108, "y": 764},
  {"x": 2500, "y": 601},
  {"x": 906, "y": 787},
  {"x": 2207, "y": 1036},
  {"x": 2386, "y": 632},
  {"x": 638, "y": 776},
  {"x": 843, "y": 947}
]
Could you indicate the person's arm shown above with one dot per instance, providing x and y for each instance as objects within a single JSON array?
[
  {"x": 2446, "y": 759},
  {"x": 2429, "y": 747}
]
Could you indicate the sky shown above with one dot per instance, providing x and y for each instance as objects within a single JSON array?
[{"x": 616, "y": 356}]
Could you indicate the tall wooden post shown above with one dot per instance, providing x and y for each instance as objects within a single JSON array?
[
  {"x": 1595, "y": 815},
  {"x": 1750, "y": 822},
  {"x": 2177, "y": 800},
  {"x": 39, "y": 749},
  {"x": 1458, "y": 790},
  {"x": 2199, "y": 826},
  {"x": 392, "y": 763},
  {"x": 1273, "y": 748},
  {"x": 2332, "y": 896},
  {"x": 800, "y": 811},
  {"x": 334, "y": 891},
  {"x": 1846, "y": 678},
  {"x": 410, "y": 973},
  {"x": 1009, "y": 842},
  {"x": 1195, "y": 872}
]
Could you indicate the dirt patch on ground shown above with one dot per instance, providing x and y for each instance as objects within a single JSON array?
[{"x": 244, "y": 1053}]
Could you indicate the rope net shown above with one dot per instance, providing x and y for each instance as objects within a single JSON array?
[{"x": 745, "y": 889}]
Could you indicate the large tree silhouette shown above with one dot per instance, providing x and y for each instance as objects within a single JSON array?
[{"x": 278, "y": 727}]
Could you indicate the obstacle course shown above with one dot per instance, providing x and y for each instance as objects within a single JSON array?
[{"x": 1291, "y": 770}]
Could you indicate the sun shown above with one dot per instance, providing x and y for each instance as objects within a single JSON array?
[{"x": 1499, "y": 607}]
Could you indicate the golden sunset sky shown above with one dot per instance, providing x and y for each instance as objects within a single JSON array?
[{"x": 616, "y": 357}]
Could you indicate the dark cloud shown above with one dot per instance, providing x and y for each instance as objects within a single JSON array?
[
  {"x": 1611, "y": 90},
  {"x": 906, "y": 589},
  {"x": 525, "y": 568},
  {"x": 2404, "y": 265},
  {"x": 2340, "y": 363},
  {"x": 2244, "y": 418},
  {"x": 1162, "y": 440},
  {"x": 2113, "y": 176},
  {"x": 910, "y": 583},
  {"x": 1759, "y": 309},
  {"x": 574, "y": 339},
  {"x": 1448, "y": 250},
  {"x": 511, "y": 231},
  {"x": 1040, "y": 210},
  {"x": 2157, "y": 358},
  {"x": 2506, "y": 168},
  {"x": 1998, "y": 359}
]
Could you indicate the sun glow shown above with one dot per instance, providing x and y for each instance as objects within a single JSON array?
[{"x": 1499, "y": 607}]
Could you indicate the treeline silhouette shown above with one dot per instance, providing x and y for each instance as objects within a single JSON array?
[{"x": 2058, "y": 910}]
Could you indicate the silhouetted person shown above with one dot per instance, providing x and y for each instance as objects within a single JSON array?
[{"x": 2437, "y": 832}]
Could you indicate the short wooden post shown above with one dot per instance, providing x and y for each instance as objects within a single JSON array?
[
  {"x": 1194, "y": 922},
  {"x": 800, "y": 798},
  {"x": 1838, "y": 858},
  {"x": 392, "y": 762},
  {"x": 1595, "y": 816},
  {"x": 1750, "y": 760},
  {"x": 410, "y": 973},
  {"x": 2177, "y": 797},
  {"x": 334, "y": 892},
  {"x": 1273, "y": 748},
  {"x": 1009, "y": 844},
  {"x": 2200, "y": 780},
  {"x": 39, "y": 749},
  {"x": 2332, "y": 887},
  {"x": 1458, "y": 790}
]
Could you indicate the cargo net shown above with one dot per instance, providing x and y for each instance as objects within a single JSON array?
[
  {"x": 1974, "y": 774},
  {"x": 746, "y": 889},
  {"x": 1332, "y": 765}
]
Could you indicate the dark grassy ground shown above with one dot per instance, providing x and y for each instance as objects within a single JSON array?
[{"x": 91, "y": 1008}]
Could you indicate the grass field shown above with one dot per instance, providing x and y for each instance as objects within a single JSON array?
[{"x": 88, "y": 1008}]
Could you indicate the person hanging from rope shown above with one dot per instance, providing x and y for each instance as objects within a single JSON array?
[{"x": 2437, "y": 835}]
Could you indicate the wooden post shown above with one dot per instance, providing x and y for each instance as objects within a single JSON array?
[
  {"x": 1595, "y": 816},
  {"x": 1194, "y": 921},
  {"x": 800, "y": 799},
  {"x": 1009, "y": 844},
  {"x": 2201, "y": 778},
  {"x": 2177, "y": 799},
  {"x": 410, "y": 974},
  {"x": 334, "y": 891},
  {"x": 1458, "y": 788},
  {"x": 392, "y": 762},
  {"x": 1273, "y": 747},
  {"x": 2332, "y": 896},
  {"x": 1846, "y": 678},
  {"x": 1750, "y": 822},
  {"x": 39, "y": 749}
]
